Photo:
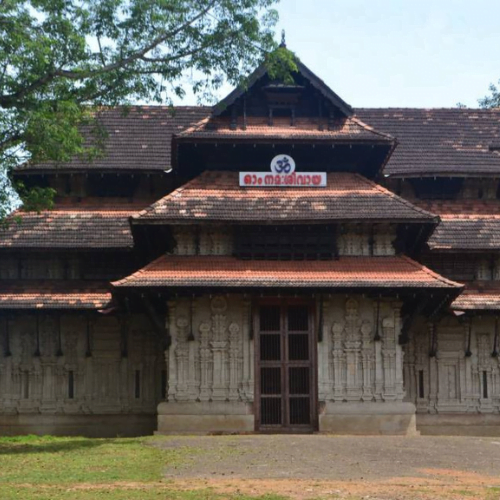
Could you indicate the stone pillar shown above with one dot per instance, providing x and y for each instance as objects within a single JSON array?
[
  {"x": 367, "y": 355},
  {"x": 172, "y": 364},
  {"x": 181, "y": 352},
  {"x": 219, "y": 346},
  {"x": 206, "y": 362},
  {"x": 338, "y": 360},
  {"x": 234, "y": 361},
  {"x": 248, "y": 361}
]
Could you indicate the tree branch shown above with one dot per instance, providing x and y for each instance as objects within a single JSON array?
[{"x": 9, "y": 100}]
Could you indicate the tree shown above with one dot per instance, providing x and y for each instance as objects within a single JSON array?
[
  {"x": 62, "y": 59},
  {"x": 493, "y": 100}
]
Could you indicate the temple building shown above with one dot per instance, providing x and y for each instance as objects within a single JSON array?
[{"x": 281, "y": 262}]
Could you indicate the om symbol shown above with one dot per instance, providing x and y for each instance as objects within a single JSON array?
[{"x": 282, "y": 164}]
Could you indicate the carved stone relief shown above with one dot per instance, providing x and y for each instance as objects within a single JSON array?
[
  {"x": 216, "y": 358},
  {"x": 361, "y": 368},
  {"x": 454, "y": 382},
  {"x": 62, "y": 379}
]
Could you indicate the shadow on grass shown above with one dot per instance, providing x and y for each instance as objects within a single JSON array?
[{"x": 48, "y": 444}]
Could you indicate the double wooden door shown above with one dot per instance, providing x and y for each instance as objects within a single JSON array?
[{"x": 285, "y": 367}]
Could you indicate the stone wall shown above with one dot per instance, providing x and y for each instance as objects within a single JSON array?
[
  {"x": 54, "y": 367},
  {"x": 452, "y": 377},
  {"x": 361, "y": 369},
  {"x": 211, "y": 367}
]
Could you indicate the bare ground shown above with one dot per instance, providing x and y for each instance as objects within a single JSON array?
[{"x": 320, "y": 467}]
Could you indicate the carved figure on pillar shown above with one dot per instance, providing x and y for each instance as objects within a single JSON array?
[
  {"x": 235, "y": 361},
  {"x": 367, "y": 359},
  {"x": 352, "y": 346},
  {"x": 206, "y": 361},
  {"x": 182, "y": 358},
  {"x": 219, "y": 346},
  {"x": 338, "y": 359}
]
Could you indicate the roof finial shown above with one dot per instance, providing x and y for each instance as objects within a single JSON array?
[{"x": 283, "y": 40}]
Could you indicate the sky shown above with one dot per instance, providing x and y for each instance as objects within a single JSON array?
[{"x": 397, "y": 53}]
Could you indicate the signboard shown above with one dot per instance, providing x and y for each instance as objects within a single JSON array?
[{"x": 282, "y": 175}]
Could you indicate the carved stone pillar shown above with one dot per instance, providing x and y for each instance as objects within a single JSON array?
[
  {"x": 193, "y": 359},
  {"x": 389, "y": 358},
  {"x": 400, "y": 391},
  {"x": 338, "y": 361},
  {"x": 247, "y": 358},
  {"x": 352, "y": 348},
  {"x": 172, "y": 363},
  {"x": 367, "y": 356},
  {"x": 219, "y": 347},
  {"x": 181, "y": 351},
  {"x": 433, "y": 368},
  {"x": 234, "y": 361},
  {"x": 206, "y": 362}
]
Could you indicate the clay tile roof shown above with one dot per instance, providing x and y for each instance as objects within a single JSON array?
[
  {"x": 228, "y": 272},
  {"x": 349, "y": 128},
  {"x": 56, "y": 294},
  {"x": 216, "y": 196},
  {"x": 138, "y": 138},
  {"x": 472, "y": 225},
  {"x": 484, "y": 297},
  {"x": 439, "y": 141},
  {"x": 72, "y": 226}
]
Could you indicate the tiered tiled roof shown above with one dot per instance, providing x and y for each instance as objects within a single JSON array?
[
  {"x": 254, "y": 128},
  {"x": 431, "y": 141},
  {"x": 229, "y": 272},
  {"x": 439, "y": 141},
  {"x": 138, "y": 138},
  {"x": 71, "y": 226},
  {"x": 54, "y": 294},
  {"x": 484, "y": 297},
  {"x": 216, "y": 196},
  {"x": 465, "y": 224}
]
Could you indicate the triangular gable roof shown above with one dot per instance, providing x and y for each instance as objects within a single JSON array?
[{"x": 315, "y": 81}]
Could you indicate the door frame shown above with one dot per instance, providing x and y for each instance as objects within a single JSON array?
[{"x": 313, "y": 359}]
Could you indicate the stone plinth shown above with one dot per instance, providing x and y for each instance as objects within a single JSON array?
[
  {"x": 388, "y": 418},
  {"x": 205, "y": 417},
  {"x": 459, "y": 424}
]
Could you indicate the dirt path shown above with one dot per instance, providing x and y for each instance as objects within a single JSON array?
[{"x": 318, "y": 466}]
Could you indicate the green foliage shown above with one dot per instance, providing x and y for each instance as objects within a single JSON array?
[
  {"x": 61, "y": 60},
  {"x": 493, "y": 100},
  {"x": 36, "y": 198},
  {"x": 281, "y": 64}
]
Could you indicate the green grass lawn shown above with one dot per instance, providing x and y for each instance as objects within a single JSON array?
[{"x": 53, "y": 468}]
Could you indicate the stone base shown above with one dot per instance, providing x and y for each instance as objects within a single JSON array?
[
  {"x": 368, "y": 419},
  {"x": 477, "y": 424},
  {"x": 78, "y": 425},
  {"x": 205, "y": 417}
]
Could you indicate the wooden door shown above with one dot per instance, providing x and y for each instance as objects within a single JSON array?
[{"x": 285, "y": 367}]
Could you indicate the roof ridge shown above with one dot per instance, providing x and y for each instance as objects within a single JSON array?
[
  {"x": 151, "y": 207},
  {"x": 432, "y": 273},
  {"x": 371, "y": 129},
  {"x": 193, "y": 128},
  {"x": 396, "y": 197},
  {"x": 414, "y": 108},
  {"x": 140, "y": 271}
]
